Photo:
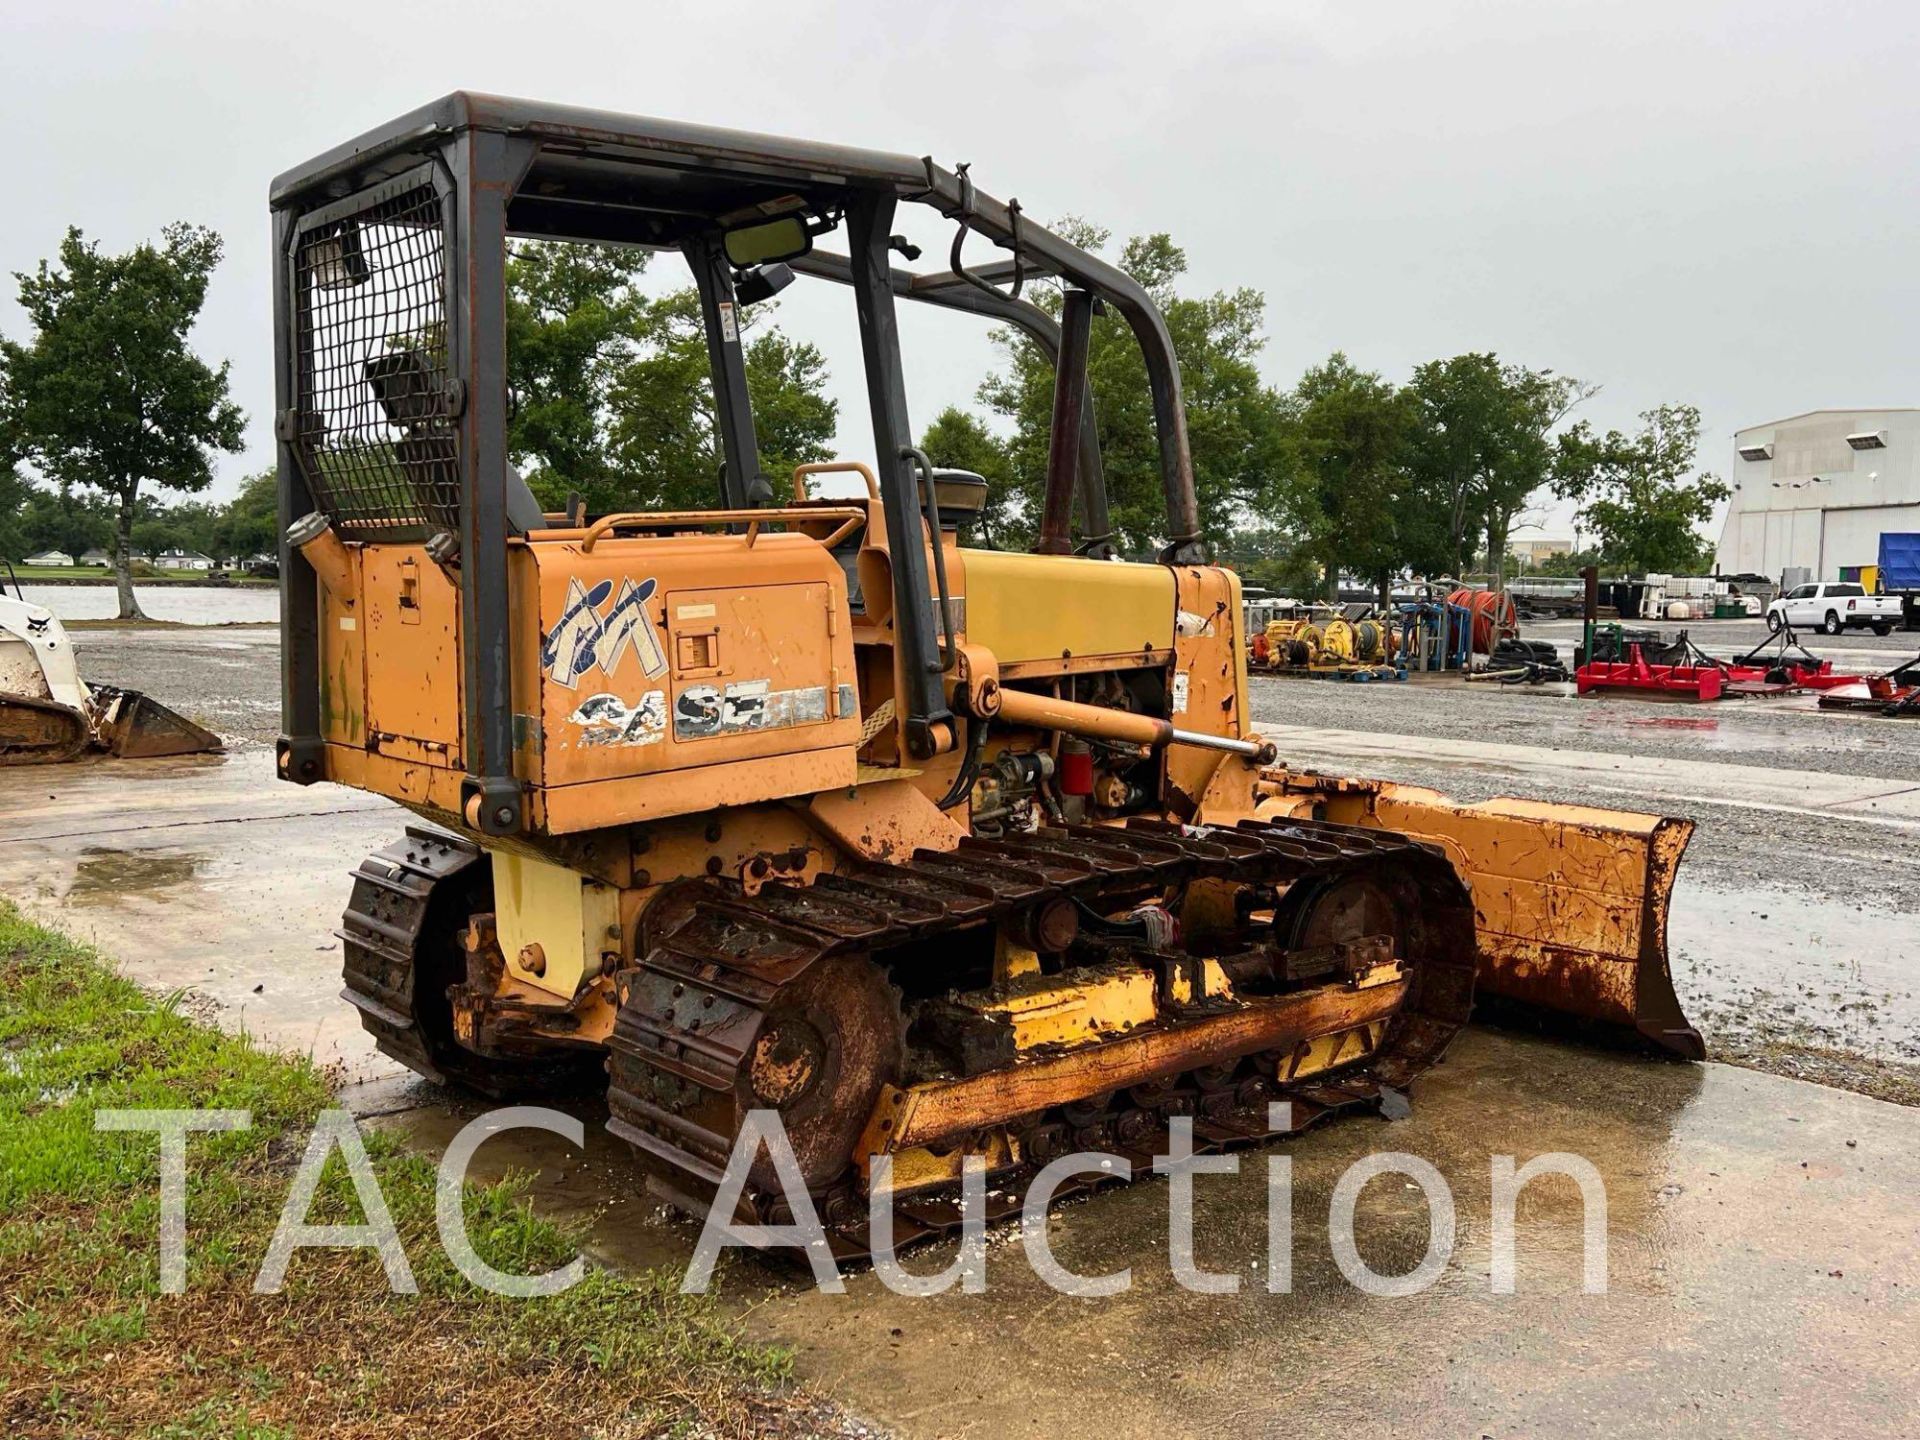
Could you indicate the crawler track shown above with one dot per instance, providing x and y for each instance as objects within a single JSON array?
[
  {"x": 40, "y": 732},
  {"x": 400, "y": 953},
  {"x": 718, "y": 962}
]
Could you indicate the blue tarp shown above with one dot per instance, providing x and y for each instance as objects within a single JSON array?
[{"x": 1900, "y": 561}]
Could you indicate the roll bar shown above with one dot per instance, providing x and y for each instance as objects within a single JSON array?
[
  {"x": 1037, "y": 325},
  {"x": 441, "y": 189}
]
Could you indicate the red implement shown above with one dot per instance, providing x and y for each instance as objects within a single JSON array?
[{"x": 1636, "y": 676}]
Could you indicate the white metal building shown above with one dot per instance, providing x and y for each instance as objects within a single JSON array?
[{"x": 1817, "y": 490}]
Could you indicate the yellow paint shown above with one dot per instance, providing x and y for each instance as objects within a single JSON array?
[
  {"x": 1236, "y": 600},
  {"x": 918, "y": 1167},
  {"x": 1078, "y": 1007},
  {"x": 1034, "y": 607},
  {"x": 1011, "y": 959},
  {"x": 1073, "y": 1008},
  {"x": 1325, "y": 1052},
  {"x": 573, "y": 920}
]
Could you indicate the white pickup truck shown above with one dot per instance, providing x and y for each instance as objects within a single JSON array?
[{"x": 1834, "y": 607}]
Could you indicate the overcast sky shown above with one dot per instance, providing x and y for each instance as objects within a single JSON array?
[{"x": 1682, "y": 200}]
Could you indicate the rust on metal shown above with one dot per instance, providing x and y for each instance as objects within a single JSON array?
[
  {"x": 784, "y": 998},
  {"x": 939, "y": 1111},
  {"x": 1570, "y": 902}
]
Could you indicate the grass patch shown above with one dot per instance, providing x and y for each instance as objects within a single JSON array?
[{"x": 88, "y": 1344}]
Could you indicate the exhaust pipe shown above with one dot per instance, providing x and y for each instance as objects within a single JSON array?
[{"x": 312, "y": 535}]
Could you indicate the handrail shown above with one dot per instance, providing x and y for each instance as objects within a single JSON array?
[
  {"x": 833, "y": 467},
  {"x": 930, "y": 509},
  {"x": 850, "y": 518}
]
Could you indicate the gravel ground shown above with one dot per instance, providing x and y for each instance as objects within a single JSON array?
[
  {"x": 1785, "y": 926},
  {"x": 1787, "y": 732},
  {"x": 225, "y": 677}
]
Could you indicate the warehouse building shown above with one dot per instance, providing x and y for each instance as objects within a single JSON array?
[{"x": 1816, "y": 491}]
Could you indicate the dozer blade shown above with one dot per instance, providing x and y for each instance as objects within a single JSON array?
[
  {"x": 136, "y": 727},
  {"x": 39, "y": 732},
  {"x": 1570, "y": 904}
]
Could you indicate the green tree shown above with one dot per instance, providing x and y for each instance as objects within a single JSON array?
[
  {"x": 62, "y": 520},
  {"x": 573, "y": 315},
  {"x": 793, "y": 421},
  {"x": 250, "y": 523},
  {"x": 1233, "y": 420},
  {"x": 109, "y": 395},
  {"x": 1272, "y": 557},
  {"x": 1634, "y": 492},
  {"x": 665, "y": 437},
  {"x": 13, "y": 503},
  {"x": 189, "y": 525},
  {"x": 1480, "y": 448},
  {"x": 613, "y": 396},
  {"x": 957, "y": 440},
  {"x": 1342, "y": 474},
  {"x": 1567, "y": 565}
]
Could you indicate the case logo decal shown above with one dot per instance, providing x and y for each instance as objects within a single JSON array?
[
  {"x": 584, "y": 639},
  {"x": 608, "y": 720}
]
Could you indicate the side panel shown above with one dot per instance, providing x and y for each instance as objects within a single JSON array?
[
  {"x": 754, "y": 671},
  {"x": 1208, "y": 692},
  {"x": 662, "y": 689},
  {"x": 650, "y": 662},
  {"x": 1028, "y": 608},
  {"x": 409, "y": 618}
]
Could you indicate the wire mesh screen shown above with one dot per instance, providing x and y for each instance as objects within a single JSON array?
[{"x": 373, "y": 430}]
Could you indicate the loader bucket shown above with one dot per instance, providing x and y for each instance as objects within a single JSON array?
[
  {"x": 1570, "y": 903},
  {"x": 136, "y": 727}
]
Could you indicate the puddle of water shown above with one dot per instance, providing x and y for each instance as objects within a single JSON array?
[
  {"x": 105, "y": 876},
  {"x": 186, "y": 604},
  {"x": 1754, "y": 964},
  {"x": 1671, "y": 722}
]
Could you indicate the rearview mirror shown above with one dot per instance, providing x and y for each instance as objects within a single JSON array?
[{"x": 783, "y": 239}]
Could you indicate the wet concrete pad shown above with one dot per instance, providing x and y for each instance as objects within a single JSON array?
[{"x": 205, "y": 875}]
